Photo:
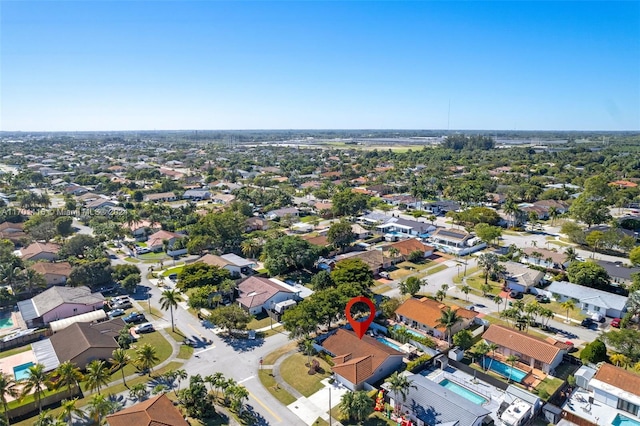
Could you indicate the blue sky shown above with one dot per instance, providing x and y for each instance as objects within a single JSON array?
[{"x": 129, "y": 65}]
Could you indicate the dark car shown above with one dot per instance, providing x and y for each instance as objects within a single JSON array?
[
  {"x": 542, "y": 298},
  {"x": 515, "y": 294},
  {"x": 173, "y": 277},
  {"x": 135, "y": 318},
  {"x": 587, "y": 322}
]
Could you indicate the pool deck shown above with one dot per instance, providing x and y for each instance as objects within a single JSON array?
[
  {"x": 7, "y": 364},
  {"x": 18, "y": 324},
  {"x": 597, "y": 413}
]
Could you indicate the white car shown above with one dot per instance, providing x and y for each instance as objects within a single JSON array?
[{"x": 145, "y": 327}]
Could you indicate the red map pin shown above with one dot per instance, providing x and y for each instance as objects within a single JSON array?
[{"x": 360, "y": 327}]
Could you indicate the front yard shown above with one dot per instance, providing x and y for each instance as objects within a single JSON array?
[{"x": 295, "y": 372}]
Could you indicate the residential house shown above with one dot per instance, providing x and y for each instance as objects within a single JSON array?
[
  {"x": 156, "y": 411},
  {"x": 359, "y": 361},
  {"x": 401, "y": 199},
  {"x": 619, "y": 273},
  {"x": 222, "y": 198},
  {"x": 560, "y": 206},
  {"x": 233, "y": 263},
  {"x": 156, "y": 240},
  {"x": 532, "y": 351},
  {"x": 160, "y": 197},
  {"x": 139, "y": 229},
  {"x": 428, "y": 403},
  {"x": 100, "y": 204},
  {"x": 456, "y": 241},
  {"x": 424, "y": 315},
  {"x": 59, "y": 302},
  {"x": 375, "y": 259},
  {"x": 617, "y": 388},
  {"x": 258, "y": 294},
  {"x": 406, "y": 247},
  {"x": 280, "y": 213},
  {"x": 54, "y": 273},
  {"x": 256, "y": 224},
  {"x": 521, "y": 278},
  {"x": 395, "y": 228},
  {"x": 543, "y": 257},
  {"x": 74, "y": 189},
  {"x": 360, "y": 232},
  {"x": 441, "y": 207},
  {"x": 589, "y": 300},
  {"x": 323, "y": 208},
  {"x": 197, "y": 194},
  {"x": 13, "y": 232},
  {"x": 527, "y": 208},
  {"x": 83, "y": 342},
  {"x": 172, "y": 174},
  {"x": 40, "y": 251}
]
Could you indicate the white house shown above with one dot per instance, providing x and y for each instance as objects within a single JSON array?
[
  {"x": 262, "y": 294},
  {"x": 521, "y": 278},
  {"x": 456, "y": 241},
  {"x": 590, "y": 300},
  {"x": 543, "y": 257}
]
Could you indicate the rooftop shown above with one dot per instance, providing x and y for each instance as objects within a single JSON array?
[
  {"x": 156, "y": 411},
  {"x": 522, "y": 343}
]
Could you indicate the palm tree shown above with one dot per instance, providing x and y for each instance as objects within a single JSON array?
[
  {"x": 68, "y": 409},
  {"x": 481, "y": 350},
  {"x": 492, "y": 347},
  {"x": 633, "y": 304},
  {"x": 440, "y": 295},
  {"x": 547, "y": 314},
  {"x": 67, "y": 374},
  {"x": 511, "y": 208},
  {"x": 361, "y": 406},
  {"x": 138, "y": 391},
  {"x": 497, "y": 300},
  {"x": 227, "y": 389},
  {"x": 170, "y": 300},
  {"x": 346, "y": 404},
  {"x": 99, "y": 407},
  {"x": 36, "y": 382},
  {"x": 486, "y": 289},
  {"x": 46, "y": 419},
  {"x": 97, "y": 375},
  {"x": 488, "y": 262},
  {"x": 251, "y": 247},
  {"x": 553, "y": 214},
  {"x": 620, "y": 360},
  {"x": 181, "y": 375},
  {"x": 399, "y": 384},
  {"x": 512, "y": 359},
  {"x": 10, "y": 274},
  {"x": 33, "y": 280},
  {"x": 466, "y": 289},
  {"x": 568, "y": 305},
  {"x": 7, "y": 388},
  {"x": 218, "y": 379},
  {"x": 448, "y": 319},
  {"x": 146, "y": 357},
  {"x": 119, "y": 360},
  {"x": 238, "y": 395},
  {"x": 393, "y": 253}
]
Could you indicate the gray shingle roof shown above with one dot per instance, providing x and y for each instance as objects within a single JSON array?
[
  {"x": 435, "y": 404},
  {"x": 50, "y": 299}
]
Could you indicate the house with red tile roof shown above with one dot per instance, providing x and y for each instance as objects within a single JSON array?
[
  {"x": 533, "y": 351},
  {"x": 40, "y": 251},
  {"x": 423, "y": 314},
  {"x": 359, "y": 361},
  {"x": 616, "y": 387},
  {"x": 54, "y": 273},
  {"x": 156, "y": 411},
  {"x": 406, "y": 247},
  {"x": 155, "y": 241}
]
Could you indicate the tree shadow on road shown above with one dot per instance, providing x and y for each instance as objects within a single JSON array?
[{"x": 241, "y": 344}]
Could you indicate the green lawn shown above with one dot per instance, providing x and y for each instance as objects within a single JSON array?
[
  {"x": 269, "y": 382},
  {"x": 155, "y": 339},
  {"x": 185, "y": 351},
  {"x": 173, "y": 270},
  {"x": 294, "y": 372},
  {"x": 271, "y": 358},
  {"x": 433, "y": 270},
  {"x": 374, "y": 419},
  {"x": 14, "y": 351},
  {"x": 415, "y": 266},
  {"x": 309, "y": 219},
  {"x": 131, "y": 260},
  {"x": 259, "y": 322},
  {"x": 381, "y": 289},
  {"x": 153, "y": 256}
]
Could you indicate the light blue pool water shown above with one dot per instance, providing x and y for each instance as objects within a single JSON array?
[
  {"x": 388, "y": 343},
  {"x": 408, "y": 330},
  {"x": 621, "y": 420},
  {"x": 22, "y": 371},
  {"x": 6, "y": 321},
  {"x": 463, "y": 392},
  {"x": 504, "y": 369}
]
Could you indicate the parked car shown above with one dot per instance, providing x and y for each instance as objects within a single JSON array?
[
  {"x": 173, "y": 277},
  {"x": 515, "y": 294},
  {"x": 615, "y": 322},
  {"x": 587, "y": 322},
  {"x": 115, "y": 313},
  {"x": 542, "y": 298},
  {"x": 598, "y": 317},
  {"x": 107, "y": 289},
  {"x": 134, "y": 317},
  {"x": 126, "y": 304},
  {"x": 146, "y": 327}
]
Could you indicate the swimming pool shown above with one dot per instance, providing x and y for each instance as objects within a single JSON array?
[
  {"x": 22, "y": 371},
  {"x": 621, "y": 420},
  {"x": 388, "y": 343},
  {"x": 463, "y": 392},
  {"x": 408, "y": 330},
  {"x": 6, "y": 321},
  {"x": 503, "y": 369}
]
